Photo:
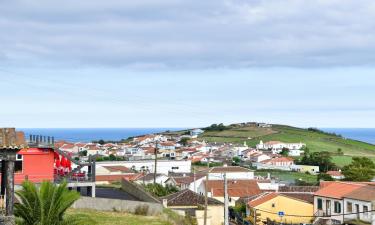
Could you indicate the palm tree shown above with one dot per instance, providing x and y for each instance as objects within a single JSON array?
[{"x": 45, "y": 205}]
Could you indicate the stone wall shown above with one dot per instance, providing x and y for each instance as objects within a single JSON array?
[
  {"x": 106, "y": 204},
  {"x": 138, "y": 191}
]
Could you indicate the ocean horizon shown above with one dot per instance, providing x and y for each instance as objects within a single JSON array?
[
  {"x": 117, "y": 134},
  {"x": 93, "y": 134}
]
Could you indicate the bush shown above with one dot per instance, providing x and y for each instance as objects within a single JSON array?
[{"x": 141, "y": 210}]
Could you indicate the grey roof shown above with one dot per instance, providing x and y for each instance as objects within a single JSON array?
[{"x": 188, "y": 198}]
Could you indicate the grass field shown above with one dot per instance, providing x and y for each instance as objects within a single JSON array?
[
  {"x": 118, "y": 218},
  {"x": 315, "y": 141}
]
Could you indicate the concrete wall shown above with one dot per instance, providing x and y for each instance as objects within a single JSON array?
[
  {"x": 137, "y": 190},
  {"x": 105, "y": 204},
  {"x": 163, "y": 166}
]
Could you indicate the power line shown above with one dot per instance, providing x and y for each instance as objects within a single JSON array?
[{"x": 328, "y": 216}]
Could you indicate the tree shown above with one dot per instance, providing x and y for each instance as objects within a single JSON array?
[
  {"x": 236, "y": 161},
  {"x": 184, "y": 141},
  {"x": 324, "y": 177},
  {"x": 83, "y": 153},
  {"x": 361, "y": 169},
  {"x": 101, "y": 142},
  {"x": 284, "y": 152},
  {"x": 46, "y": 205},
  {"x": 340, "y": 152},
  {"x": 321, "y": 159},
  {"x": 112, "y": 157}
]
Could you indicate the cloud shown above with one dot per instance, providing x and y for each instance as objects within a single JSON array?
[{"x": 177, "y": 34}]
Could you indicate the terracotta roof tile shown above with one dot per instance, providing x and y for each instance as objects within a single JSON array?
[
  {"x": 188, "y": 198},
  {"x": 337, "y": 189},
  {"x": 366, "y": 193},
  {"x": 229, "y": 169},
  {"x": 236, "y": 188}
]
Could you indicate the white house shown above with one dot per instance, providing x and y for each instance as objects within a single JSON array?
[
  {"x": 232, "y": 173},
  {"x": 196, "y": 132},
  {"x": 342, "y": 202},
  {"x": 277, "y": 146},
  {"x": 149, "y": 179},
  {"x": 295, "y": 152}
]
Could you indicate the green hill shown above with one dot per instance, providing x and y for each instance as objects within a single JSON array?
[{"x": 315, "y": 140}]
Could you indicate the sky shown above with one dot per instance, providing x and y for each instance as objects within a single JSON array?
[{"x": 175, "y": 63}]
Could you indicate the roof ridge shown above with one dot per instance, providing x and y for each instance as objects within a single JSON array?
[{"x": 178, "y": 195}]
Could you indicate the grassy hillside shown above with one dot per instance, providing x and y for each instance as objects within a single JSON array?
[{"x": 315, "y": 141}]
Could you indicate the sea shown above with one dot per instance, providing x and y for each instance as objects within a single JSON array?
[
  {"x": 117, "y": 134},
  {"x": 93, "y": 134},
  {"x": 360, "y": 134}
]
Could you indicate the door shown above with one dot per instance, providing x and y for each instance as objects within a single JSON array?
[
  {"x": 328, "y": 207},
  {"x": 357, "y": 210}
]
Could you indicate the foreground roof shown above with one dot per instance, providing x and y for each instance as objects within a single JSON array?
[
  {"x": 337, "y": 189},
  {"x": 188, "y": 198},
  {"x": 366, "y": 193}
]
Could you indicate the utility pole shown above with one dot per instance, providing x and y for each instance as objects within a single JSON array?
[
  {"x": 206, "y": 194},
  {"x": 226, "y": 203},
  {"x": 156, "y": 161}
]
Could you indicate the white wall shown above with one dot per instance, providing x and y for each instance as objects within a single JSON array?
[
  {"x": 233, "y": 175},
  {"x": 331, "y": 212},
  {"x": 163, "y": 166},
  {"x": 362, "y": 216}
]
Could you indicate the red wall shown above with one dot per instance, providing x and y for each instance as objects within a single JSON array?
[{"x": 37, "y": 165}]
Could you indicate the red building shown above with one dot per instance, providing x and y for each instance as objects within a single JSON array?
[{"x": 34, "y": 164}]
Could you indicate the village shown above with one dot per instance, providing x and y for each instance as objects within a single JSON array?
[{"x": 208, "y": 182}]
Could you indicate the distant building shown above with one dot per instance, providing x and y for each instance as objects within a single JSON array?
[
  {"x": 336, "y": 174},
  {"x": 232, "y": 173},
  {"x": 278, "y": 146},
  {"x": 305, "y": 168},
  {"x": 196, "y": 132},
  {"x": 264, "y": 125}
]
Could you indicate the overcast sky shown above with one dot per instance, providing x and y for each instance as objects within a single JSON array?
[{"x": 175, "y": 63}]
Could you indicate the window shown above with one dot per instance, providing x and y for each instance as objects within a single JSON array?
[
  {"x": 273, "y": 205},
  {"x": 320, "y": 203},
  {"x": 349, "y": 207},
  {"x": 175, "y": 168},
  {"x": 19, "y": 157},
  {"x": 365, "y": 210},
  {"x": 337, "y": 207}
]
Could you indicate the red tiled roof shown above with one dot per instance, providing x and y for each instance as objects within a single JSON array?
[
  {"x": 366, "y": 193},
  {"x": 262, "y": 199},
  {"x": 334, "y": 173},
  {"x": 228, "y": 169},
  {"x": 337, "y": 189},
  {"x": 112, "y": 178},
  {"x": 236, "y": 188},
  {"x": 273, "y": 142}
]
